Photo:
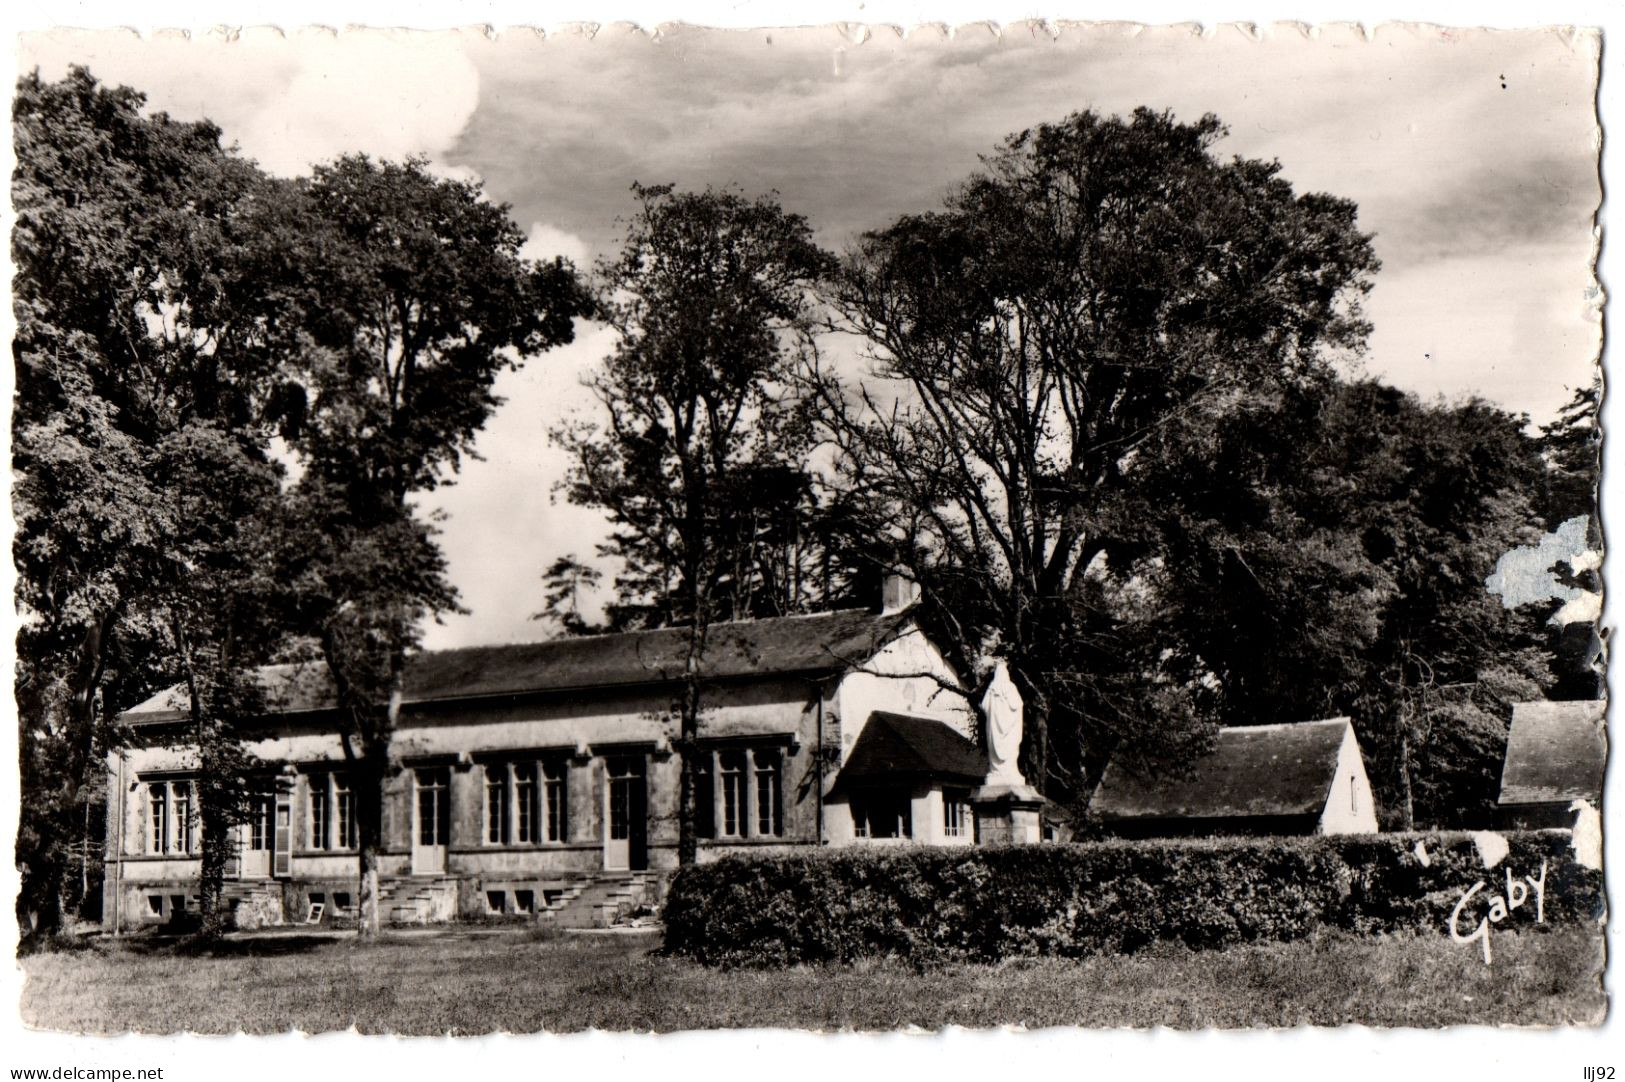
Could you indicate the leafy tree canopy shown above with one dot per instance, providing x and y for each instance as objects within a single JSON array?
[{"x": 1099, "y": 280}]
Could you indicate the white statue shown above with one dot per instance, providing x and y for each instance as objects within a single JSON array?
[{"x": 1002, "y": 707}]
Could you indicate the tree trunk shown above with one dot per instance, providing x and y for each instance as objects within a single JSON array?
[
  {"x": 205, "y": 804},
  {"x": 1033, "y": 757},
  {"x": 375, "y": 753},
  {"x": 688, "y": 844},
  {"x": 216, "y": 841},
  {"x": 369, "y": 788},
  {"x": 1407, "y": 808}
]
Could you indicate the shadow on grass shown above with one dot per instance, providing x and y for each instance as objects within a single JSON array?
[{"x": 252, "y": 947}]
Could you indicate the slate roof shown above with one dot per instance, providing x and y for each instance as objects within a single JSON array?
[
  {"x": 899, "y": 746},
  {"x": 1556, "y": 753},
  {"x": 821, "y": 643},
  {"x": 1254, "y": 770}
]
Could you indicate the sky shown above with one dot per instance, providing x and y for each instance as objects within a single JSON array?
[{"x": 1472, "y": 156}]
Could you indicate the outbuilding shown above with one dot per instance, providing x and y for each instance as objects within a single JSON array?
[
  {"x": 1556, "y": 756},
  {"x": 1296, "y": 778}
]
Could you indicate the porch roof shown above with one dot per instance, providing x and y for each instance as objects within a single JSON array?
[{"x": 894, "y": 746}]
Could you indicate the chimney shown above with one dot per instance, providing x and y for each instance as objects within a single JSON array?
[{"x": 898, "y": 592}]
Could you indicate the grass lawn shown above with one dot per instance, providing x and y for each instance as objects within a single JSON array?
[{"x": 521, "y": 983}]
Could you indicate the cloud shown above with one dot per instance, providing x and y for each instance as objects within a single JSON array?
[
  {"x": 389, "y": 93},
  {"x": 290, "y": 100},
  {"x": 1519, "y": 327},
  {"x": 545, "y": 241},
  {"x": 503, "y": 525}
]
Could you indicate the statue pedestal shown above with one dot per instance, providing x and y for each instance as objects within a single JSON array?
[{"x": 1007, "y": 815}]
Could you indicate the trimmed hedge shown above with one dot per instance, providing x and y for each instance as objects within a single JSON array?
[{"x": 935, "y": 905}]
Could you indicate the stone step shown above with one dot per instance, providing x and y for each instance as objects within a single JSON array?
[{"x": 601, "y": 902}]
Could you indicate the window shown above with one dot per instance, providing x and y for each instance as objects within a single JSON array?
[
  {"x": 1354, "y": 796},
  {"x": 739, "y": 793},
  {"x": 526, "y": 803},
  {"x": 525, "y": 808},
  {"x": 434, "y": 810},
  {"x": 705, "y": 798},
  {"x": 344, "y": 802},
  {"x": 555, "y": 786},
  {"x": 332, "y": 811},
  {"x": 882, "y": 815},
  {"x": 496, "y": 804},
  {"x": 956, "y": 814},
  {"x": 180, "y": 795},
  {"x": 321, "y": 812},
  {"x": 624, "y": 772},
  {"x": 259, "y": 823},
  {"x": 170, "y": 825},
  {"x": 158, "y": 817},
  {"x": 731, "y": 770},
  {"x": 769, "y": 796}
]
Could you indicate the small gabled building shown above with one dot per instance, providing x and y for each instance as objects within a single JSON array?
[
  {"x": 1556, "y": 755},
  {"x": 1296, "y": 778},
  {"x": 525, "y": 772},
  {"x": 908, "y": 777}
]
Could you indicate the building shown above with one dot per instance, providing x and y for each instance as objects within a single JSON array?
[
  {"x": 541, "y": 775},
  {"x": 1297, "y": 778},
  {"x": 1556, "y": 755}
]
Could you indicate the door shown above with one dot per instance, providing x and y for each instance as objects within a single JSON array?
[
  {"x": 257, "y": 835},
  {"x": 626, "y": 822},
  {"x": 432, "y": 820}
]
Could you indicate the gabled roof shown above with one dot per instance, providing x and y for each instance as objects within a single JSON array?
[
  {"x": 821, "y": 643},
  {"x": 898, "y": 746},
  {"x": 1254, "y": 770},
  {"x": 1556, "y": 753}
]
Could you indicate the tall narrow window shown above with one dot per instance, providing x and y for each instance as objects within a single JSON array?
[
  {"x": 1354, "y": 796},
  {"x": 259, "y": 824},
  {"x": 180, "y": 795},
  {"x": 321, "y": 816},
  {"x": 555, "y": 773},
  {"x": 769, "y": 793},
  {"x": 731, "y": 771},
  {"x": 344, "y": 805},
  {"x": 705, "y": 798},
  {"x": 524, "y": 791},
  {"x": 158, "y": 817},
  {"x": 956, "y": 817},
  {"x": 434, "y": 812},
  {"x": 623, "y": 775},
  {"x": 496, "y": 804}
]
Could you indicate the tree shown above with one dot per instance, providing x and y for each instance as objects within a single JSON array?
[
  {"x": 140, "y": 364},
  {"x": 697, "y": 458},
  {"x": 1098, "y": 280},
  {"x": 1438, "y": 493},
  {"x": 566, "y": 578},
  {"x": 412, "y": 297},
  {"x": 1326, "y": 554},
  {"x": 1570, "y": 449}
]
